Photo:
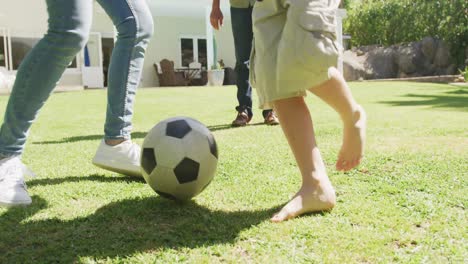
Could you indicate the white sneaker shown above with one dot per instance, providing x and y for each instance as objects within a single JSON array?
[
  {"x": 13, "y": 190},
  {"x": 123, "y": 158}
]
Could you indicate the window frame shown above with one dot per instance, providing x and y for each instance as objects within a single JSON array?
[{"x": 194, "y": 39}]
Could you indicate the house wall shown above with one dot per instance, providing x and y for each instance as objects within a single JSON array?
[
  {"x": 166, "y": 43},
  {"x": 225, "y": 42},
  {"x": 21, "y": 20},
  {"x": 25, "y": 16},
  {"x": 32, "y": 22}
]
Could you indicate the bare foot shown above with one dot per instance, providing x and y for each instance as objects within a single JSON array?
[
  {"x": 354, "y": 136},
  {"x": 309, "y": 199}
]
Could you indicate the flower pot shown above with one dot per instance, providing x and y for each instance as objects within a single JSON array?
[{"x": 216, "y": 77}]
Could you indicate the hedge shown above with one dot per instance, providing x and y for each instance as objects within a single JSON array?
[{"x": 389, "y": 22}]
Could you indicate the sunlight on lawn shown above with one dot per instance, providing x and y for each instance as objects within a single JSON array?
[{"x": 406, "y": 203}]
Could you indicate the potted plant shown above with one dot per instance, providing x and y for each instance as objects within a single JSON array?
[{"x": 216, "y": 73}]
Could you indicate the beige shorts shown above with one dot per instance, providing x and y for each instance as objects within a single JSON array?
[{"x": 294, "y": 46}]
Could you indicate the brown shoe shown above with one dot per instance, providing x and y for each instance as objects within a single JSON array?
[
  {"x": 271, "y": 119},
  {"x": 242, "y": 119}
]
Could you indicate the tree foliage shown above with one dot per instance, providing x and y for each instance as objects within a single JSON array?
[{"x": 388, "y": 22}]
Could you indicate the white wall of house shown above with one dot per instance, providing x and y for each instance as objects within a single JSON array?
[
  {"x": 166, "y": 43},
  {"x": 225, "y": 42},
  {"x": 174, "y": 19},
  {"x": 183, "y": 19},
  {"x": 26, "y": 18}
]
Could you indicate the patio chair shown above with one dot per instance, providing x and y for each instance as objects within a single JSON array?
[
  {"x": 199, "y": 78},
  {"x": 167, "y": 74},
  {"x": 196, "y": 65}
]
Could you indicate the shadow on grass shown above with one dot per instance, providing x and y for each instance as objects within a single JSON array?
[
  {"x": 134, "y": 135},
  {"x": 84, "y": 138},
  {"x": 119, "y": 229},
  {"x": 229, "y": 126},
  {"x": 95, "y": 177},
  {"x": 220, "y": 127},
  {"x": 446, "y": 100},
  {"x": 460, "y": 91}
]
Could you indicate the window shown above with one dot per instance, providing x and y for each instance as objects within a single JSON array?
[
  {"x": 187, "y": 51},
  {"x": 20, "y": 47},
  {"x": 3, "y": 52},
  {"x": 193, "y": 49},
  {"x": 202, "y": 54},
  {"x": 107, "y": 48},
  {"x": 4, "y": 46}
]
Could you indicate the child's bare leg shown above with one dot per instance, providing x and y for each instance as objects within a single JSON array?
[
  {"x": 336, "y": 93},
  {"x": 316, "y": 193}
]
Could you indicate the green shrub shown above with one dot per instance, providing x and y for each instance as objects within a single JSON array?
[{"x": 388, "y": 22}]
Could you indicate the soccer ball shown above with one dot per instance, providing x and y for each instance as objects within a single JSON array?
[{"x": 179, "y": 158}]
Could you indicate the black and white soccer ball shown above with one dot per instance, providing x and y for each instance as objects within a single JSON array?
[{"x": 179, "y": 158}]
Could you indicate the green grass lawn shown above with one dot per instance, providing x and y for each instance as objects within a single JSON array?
[{"x": 406, "y": 203}]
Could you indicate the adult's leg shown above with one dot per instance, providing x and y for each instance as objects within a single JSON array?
[
  {"x": 69, "y": 24},
  {"x": 269, "y": 117},
  {"x": 242, "y": 32},
  {"x": 134, "y": 24}
]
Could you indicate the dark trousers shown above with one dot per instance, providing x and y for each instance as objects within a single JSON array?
[{"x": 243, "y": 36}]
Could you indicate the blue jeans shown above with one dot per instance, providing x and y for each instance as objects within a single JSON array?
[
  {"x": 69, "y": 26},
  {"x": 243, "y": 36}
]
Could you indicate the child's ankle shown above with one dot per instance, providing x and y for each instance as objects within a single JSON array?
[{"x": 353, "y": 116}]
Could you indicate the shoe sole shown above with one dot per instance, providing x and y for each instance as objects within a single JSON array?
[{"x": 118, "y": 170}]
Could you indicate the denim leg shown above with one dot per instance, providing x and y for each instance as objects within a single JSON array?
[
  {"x": 242, "y": 31},
  {"x": 68, "y": 28},
  {"x": 134, "y": 24}
]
